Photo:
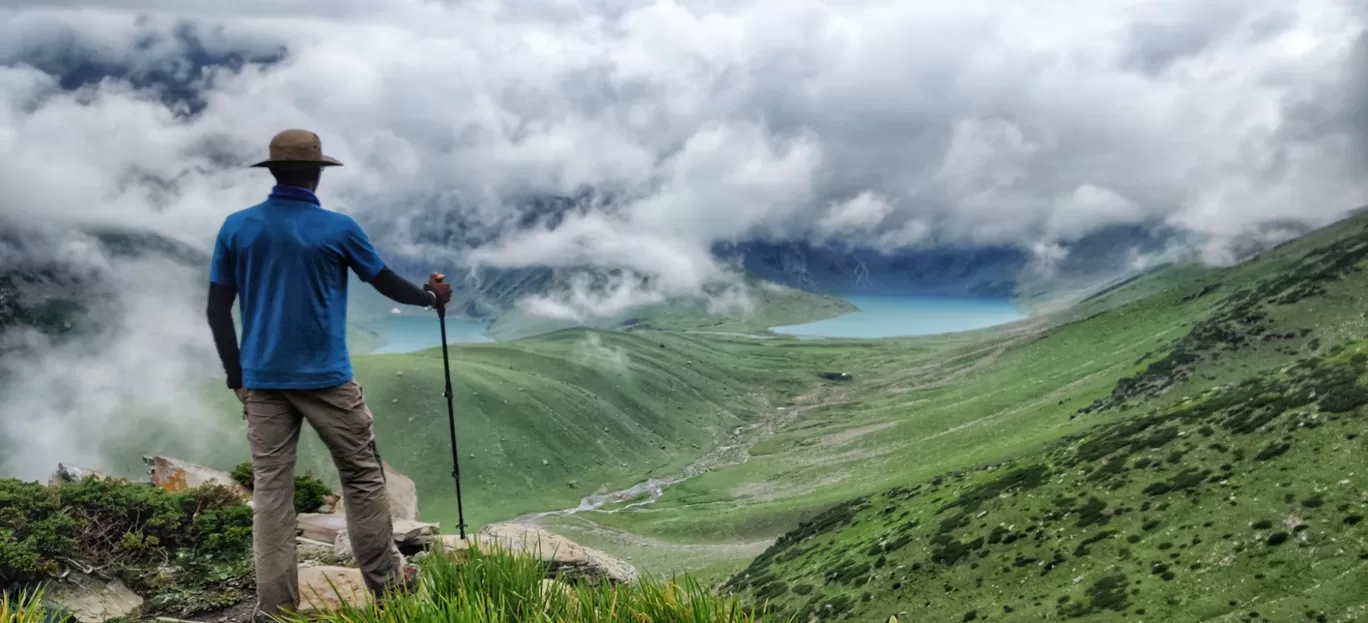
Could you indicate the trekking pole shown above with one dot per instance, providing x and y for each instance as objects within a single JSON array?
[{"x": 451, "y": 420}]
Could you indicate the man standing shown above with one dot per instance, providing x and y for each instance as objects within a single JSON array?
[{"x": 287, "y": 259}]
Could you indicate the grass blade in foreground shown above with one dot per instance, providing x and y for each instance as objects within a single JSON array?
[
  {"x": 497, "y": 586},
  {"x": 27, "y": 607}
]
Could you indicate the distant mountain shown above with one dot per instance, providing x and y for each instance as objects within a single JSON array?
[{"x": 1051, "y": 279}]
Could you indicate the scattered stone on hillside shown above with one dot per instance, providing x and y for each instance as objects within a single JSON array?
[
  {"x": 90, "y": 600},
  {"x": 175, "y": 475},
  {"x": 70, "y": 473},
  {"x": 323, "y": 589},
  {"x": 564, "y": 558},
  {"x": 402, "y": 493}
]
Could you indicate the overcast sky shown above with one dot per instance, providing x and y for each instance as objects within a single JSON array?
[
  {"x": 877, "y": 122},
  {"x": 888, "y": 123}
]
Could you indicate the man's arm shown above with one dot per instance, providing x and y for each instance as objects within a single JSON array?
[
  {"x": 401, "y": 290},
  {"x": 220, "y": 315},
  {"x": 362, "y": 257}
]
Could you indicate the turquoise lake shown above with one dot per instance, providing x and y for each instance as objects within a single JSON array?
[
  {"x": 407, "y": 334},
  {"x": 903, "y": 316}
]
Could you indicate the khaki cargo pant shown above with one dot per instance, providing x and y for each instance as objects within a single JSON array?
[{"x": 340, "y": 417}]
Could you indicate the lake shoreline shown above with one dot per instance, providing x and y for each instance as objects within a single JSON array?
[
  {"x": 900, "y": 316},
  {"x": 874, "y": 317}
]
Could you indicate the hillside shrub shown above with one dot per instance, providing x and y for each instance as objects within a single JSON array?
[
  {"x": 115, "y": 525},
  {"x": 309, "y": 492}
]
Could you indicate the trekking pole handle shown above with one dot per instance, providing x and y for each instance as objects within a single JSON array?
[{"x": 441, "y": 309}]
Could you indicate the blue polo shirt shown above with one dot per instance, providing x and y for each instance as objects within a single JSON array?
[{"x": 287, "y": 257}]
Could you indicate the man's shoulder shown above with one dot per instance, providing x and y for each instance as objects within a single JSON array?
[
  {"x": 236, "y": 218},
  {"x": 334, "y": 221}
]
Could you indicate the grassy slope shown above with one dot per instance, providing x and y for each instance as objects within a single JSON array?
[
  {"x": 1194, "y": 331},
  {"x": 916, "y": 408},
  {"x": 601, "y": 408}
]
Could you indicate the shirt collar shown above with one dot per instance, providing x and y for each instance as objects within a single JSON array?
[{"x": 294, "y": 193}]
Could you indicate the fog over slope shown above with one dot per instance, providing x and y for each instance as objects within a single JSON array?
[{"x": 672, "y": 127}]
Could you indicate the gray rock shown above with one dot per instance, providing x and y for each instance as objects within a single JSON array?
[
  {"x": 70, "y": 473},
  {"x": 90, "y": 600}
]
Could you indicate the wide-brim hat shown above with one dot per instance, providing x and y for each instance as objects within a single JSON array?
[{"x": 297, "y": 149}]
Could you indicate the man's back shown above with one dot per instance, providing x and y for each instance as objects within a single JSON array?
[{"x": 288, "y": 259}]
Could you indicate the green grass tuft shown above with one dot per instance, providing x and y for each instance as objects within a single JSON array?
[
  {"x": 496, "y": 586},
  {"x": 26, "y": 606}
]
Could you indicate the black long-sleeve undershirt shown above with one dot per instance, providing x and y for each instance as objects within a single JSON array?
[
  {"x": 219, "y": 313},
  {"x": 401, "y": 290}
]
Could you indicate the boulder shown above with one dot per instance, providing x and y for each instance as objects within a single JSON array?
[
  {"x": 320, "y": 527},
  {"x": 411, "y": 537},
  {"x": 563, "y": 558},
  {"x": 89, "y": 600},
  {"x": 175, "y": 475},
  {"x": 323, "y": 589},
  {"x": 402, "y": 494}
]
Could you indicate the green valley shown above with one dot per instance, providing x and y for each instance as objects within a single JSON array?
[{"x": 1180, "y": 446}]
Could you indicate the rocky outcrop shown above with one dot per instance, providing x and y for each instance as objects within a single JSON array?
[
  {"x": 89, "y": 600},
  {"x": 563, "y": 558},
  {"x": 176, "y": 475}
]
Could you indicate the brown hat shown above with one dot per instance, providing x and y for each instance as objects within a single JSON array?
[{"x": 297, "y": 149}]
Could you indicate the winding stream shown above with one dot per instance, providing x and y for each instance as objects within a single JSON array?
[{"x": 735, "y": 452}]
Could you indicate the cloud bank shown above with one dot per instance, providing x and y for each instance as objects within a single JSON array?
[
  {"x": 877, "y": 123},
  {"x": 674, "y": 126}
]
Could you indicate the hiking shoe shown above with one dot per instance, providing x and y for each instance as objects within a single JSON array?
[
  {"x": 408, "y": 583},
  {"x": 410, "y": 572}
]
